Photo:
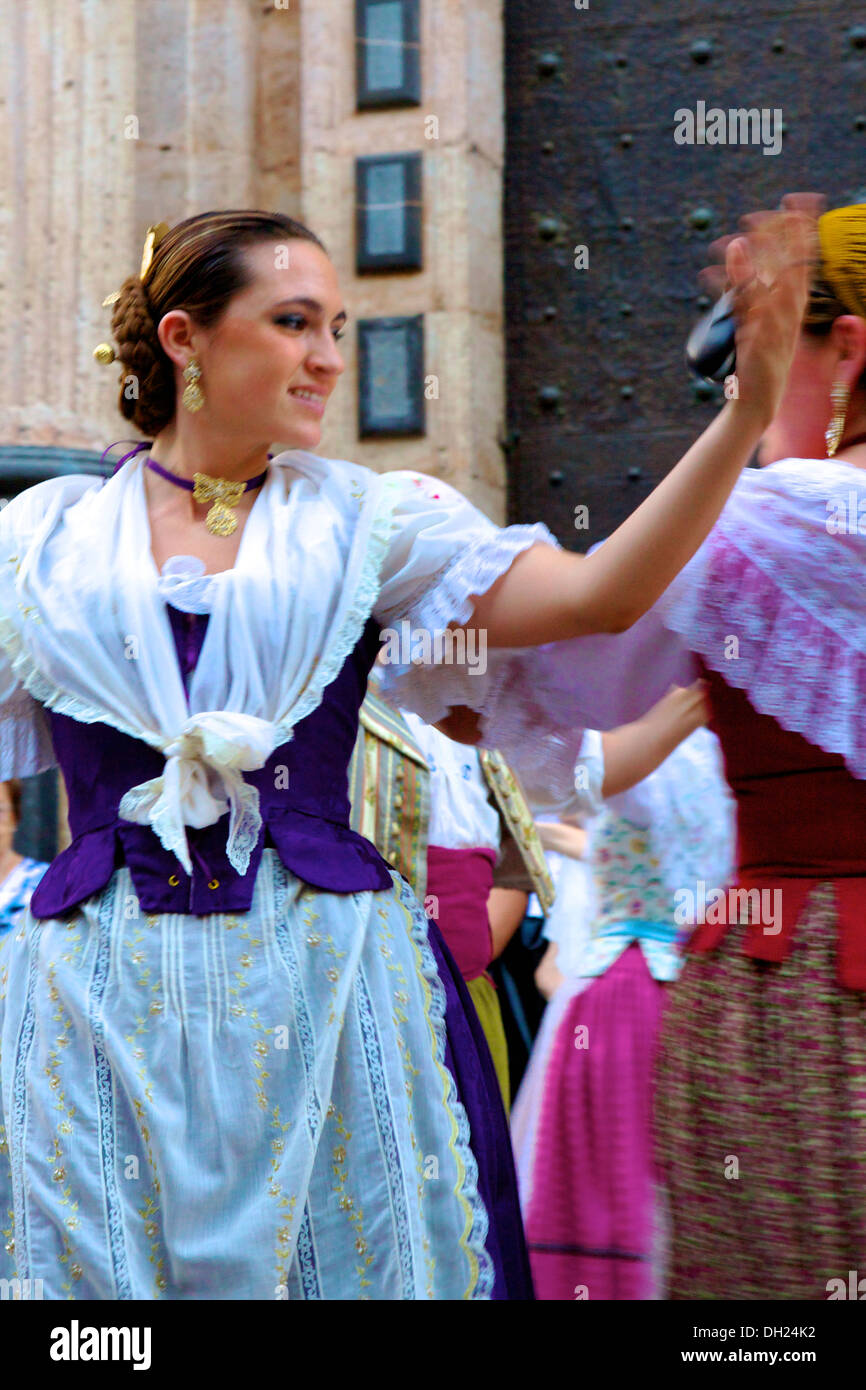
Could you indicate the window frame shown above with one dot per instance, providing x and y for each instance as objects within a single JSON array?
[
  {"x": 408, "y": 91},
  {"x": 414, "y": 422},
  {"x": 411, "y": 256}
]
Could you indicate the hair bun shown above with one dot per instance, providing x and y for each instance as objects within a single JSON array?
[{"x": 147, "y": 388}]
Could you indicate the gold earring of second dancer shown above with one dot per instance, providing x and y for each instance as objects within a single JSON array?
[
  {"x": 193, "y": 396},
  {"x": 839, "y": 396}
]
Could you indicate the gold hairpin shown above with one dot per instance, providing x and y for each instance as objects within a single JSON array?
[
  {"x": 154, "y": 236},
  {"x": 104, "y": 352},
  {"x": 152, "y": 239}
]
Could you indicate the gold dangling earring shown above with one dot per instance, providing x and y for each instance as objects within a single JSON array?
[
  {"x": 839, "y": 396},
  {"x": 193, "y": 396}
]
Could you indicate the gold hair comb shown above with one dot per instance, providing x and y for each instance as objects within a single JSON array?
[{"x": 154, "y": 236}]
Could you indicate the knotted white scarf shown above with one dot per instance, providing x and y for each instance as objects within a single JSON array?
[{"x": 87, "y": 633}]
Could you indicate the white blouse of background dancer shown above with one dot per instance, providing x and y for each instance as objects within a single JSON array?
[{"x": 466, "y": 820}]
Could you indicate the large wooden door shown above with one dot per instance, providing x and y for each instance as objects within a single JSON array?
[{"x": 600, "y": 404}]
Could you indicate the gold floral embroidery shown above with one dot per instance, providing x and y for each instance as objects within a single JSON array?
[
  {"x": 332, "y": 974},
  {"x": 64, "y": 1126},
  {"x": 284, "y": 1236},
  {"x": 73, "y": 1267},
  {"x": 358, "y": 492},
  {"x": 149, "y": 1209},
  {"x": 72, "y": 954},
  {"x": 315, "y": 938},
  {"x": 261, "y": 1050},
  {"x": 230, "y": 922},
  {"x": 401, "y": 998},
  {"x": 347, "y": 1204},
  {"x": 9, "y": 1233},
  {"x": 286, "y": 1205},
  {"x": 401, "y": 995}
]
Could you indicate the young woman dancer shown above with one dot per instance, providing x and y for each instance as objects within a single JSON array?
[{"x": 225, "y": 1065}]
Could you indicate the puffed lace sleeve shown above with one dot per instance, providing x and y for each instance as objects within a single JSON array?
[
  {"x": 25, "y": 735},
  {"x": 534, "y": 703}
]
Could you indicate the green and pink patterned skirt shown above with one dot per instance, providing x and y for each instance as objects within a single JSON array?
[{"x": 761, "y": 1118}]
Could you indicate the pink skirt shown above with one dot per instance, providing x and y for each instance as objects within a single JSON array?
[{"x": 593, "y": 1220}]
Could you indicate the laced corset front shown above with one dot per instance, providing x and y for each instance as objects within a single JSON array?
[{"x": 303, "y": 792}]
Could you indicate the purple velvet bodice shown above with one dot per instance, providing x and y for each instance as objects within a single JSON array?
[{"x": 304, "y": 805}]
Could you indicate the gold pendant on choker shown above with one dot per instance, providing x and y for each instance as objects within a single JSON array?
[{"x": 224, "y": 494}]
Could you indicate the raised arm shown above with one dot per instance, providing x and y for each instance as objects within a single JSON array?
[
  {"x": 562, "y": 838},
  {"x": 634, "y": 750},
  {"x": 547, "y": 594}
]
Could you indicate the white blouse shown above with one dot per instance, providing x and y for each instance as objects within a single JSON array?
[
  {"x": 570, "y": 876},
  {"x": 327, "y": 544},
  {"x": 461, "y": 816}
]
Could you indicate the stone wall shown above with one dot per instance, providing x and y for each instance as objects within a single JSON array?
[
  {"x": 459, "y": 291},
  {"x": 119, "y": 113}
]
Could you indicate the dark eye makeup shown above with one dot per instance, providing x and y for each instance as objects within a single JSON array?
[{"x": 300, "y": 321}]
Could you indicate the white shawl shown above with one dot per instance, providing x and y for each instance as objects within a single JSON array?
[
  {"x": 774, "y": 600},
  {"x": 84, "y": 629},
  {"x": 86, "y": 633}
]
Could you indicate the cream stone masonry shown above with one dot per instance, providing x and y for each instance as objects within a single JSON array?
[
  {"x": 116, "y": 114},
  {"x": 460, "y": 289},
  {"x": 67, "y": 220},
  {"x": 119, "y": 113}
]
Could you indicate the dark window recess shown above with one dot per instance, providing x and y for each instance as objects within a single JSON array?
[
  {"x": 391, "y": 376},
  {"x": 38, "y": 830},
  {"x": 388, "y": 212},
  {"x": 22, "y": 466},
  {"x": 387, "y": 58}
]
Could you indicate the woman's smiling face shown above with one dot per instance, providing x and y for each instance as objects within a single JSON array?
[{"x": 270, "y": 363}]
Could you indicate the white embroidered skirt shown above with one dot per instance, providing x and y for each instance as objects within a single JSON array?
[{"x": 237, "y": 1106}]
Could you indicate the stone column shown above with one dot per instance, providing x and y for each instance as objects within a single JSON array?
[
  {"x": 66, "y": 223},
  {"x": 116, "y": 114}
]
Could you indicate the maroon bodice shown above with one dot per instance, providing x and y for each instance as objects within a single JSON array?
[{"x": 800, "y": 818}]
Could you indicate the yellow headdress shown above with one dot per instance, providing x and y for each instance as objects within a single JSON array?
[{"x": 842, "y": 234}]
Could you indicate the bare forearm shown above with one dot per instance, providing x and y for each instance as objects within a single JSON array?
[
  {"x": 506, "y": 909},
  {"x": 548, "y": 595},
  {"x": 633, "y": 751},
  {"x": 548, "y": 977},
  {"x": 638, "y": 562},
  {"x": 569, "y": 840}
]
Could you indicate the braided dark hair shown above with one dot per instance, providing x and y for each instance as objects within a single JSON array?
[{"x": 198, "y": 266}]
